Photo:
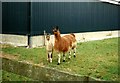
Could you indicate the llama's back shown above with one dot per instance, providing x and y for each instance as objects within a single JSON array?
[{"x": 71, "y": 38}]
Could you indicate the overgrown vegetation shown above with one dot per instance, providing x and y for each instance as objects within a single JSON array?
[
  {"x": 7, "y": 76},
  {"x": 97, "y": 59}
]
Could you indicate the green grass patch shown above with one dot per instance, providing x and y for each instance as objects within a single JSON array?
[
  {"x": 8, "y": 76},
  {"x": 97, "y": 59}
]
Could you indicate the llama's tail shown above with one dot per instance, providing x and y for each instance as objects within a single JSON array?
[{"x": 73, "y": 34}]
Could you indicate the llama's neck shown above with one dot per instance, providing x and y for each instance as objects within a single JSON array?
[
  {"x": 48, "y": 42},
  {"x": 57, "y": 36}
]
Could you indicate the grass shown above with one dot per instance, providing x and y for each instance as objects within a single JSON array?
[
  {"x": 97, "y": 59},
  {"x": 7, "y": 76}
]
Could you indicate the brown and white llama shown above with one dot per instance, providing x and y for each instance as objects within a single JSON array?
[
  {"x": 49, "y": 48},
  {"x": 64, "y": 44}
]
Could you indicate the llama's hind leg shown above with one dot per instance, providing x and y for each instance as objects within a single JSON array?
[
  {"x": 63, "y": 57},
  {"x": 59, "y": 59},
  {"x": 69, "y": 55},
  {"x": 50, "y": 56},
  {"x": 74, "y": 52}
]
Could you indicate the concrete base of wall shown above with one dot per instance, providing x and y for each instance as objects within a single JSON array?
[
  {"x": 37, "y": 41},
  {"x": 16, "y": 40},
  {"x": 90, "y": 36}
]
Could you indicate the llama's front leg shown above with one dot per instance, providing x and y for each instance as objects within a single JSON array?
[
  {"x": 50, "y": 57},
  {"x": 59, "y": 59},
  {"x": 74, "y": 52},
  {"x": 63, "y": 57},
  {"x": 69, "y": 54}
]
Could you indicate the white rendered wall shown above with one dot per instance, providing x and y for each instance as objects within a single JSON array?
[{"x": 37, "y": 41}]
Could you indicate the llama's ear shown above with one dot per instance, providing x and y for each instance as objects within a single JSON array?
[{"x": 57, "y": 27}]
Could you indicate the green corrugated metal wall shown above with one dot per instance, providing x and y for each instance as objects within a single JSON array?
[{"x": 71, "y": 17}]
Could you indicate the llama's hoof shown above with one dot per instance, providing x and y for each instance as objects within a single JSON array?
[
  {"x": 74, "y": 56},
  {"x": 58, "y": 64},
  {"x": 63, "y": 60}
]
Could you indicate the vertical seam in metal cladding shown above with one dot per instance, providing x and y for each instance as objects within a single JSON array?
[{"x": 29, "y": 24}]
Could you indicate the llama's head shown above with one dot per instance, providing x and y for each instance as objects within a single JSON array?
[
  {"x": 56, "y": 30},
  {"x": 48, "y": 37}
]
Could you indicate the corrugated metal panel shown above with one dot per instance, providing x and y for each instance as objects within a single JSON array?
[
  {"x": 15, "y": 17},
  {"x": 70, "y": 16},
  {"x": 73, "y": 17}
]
